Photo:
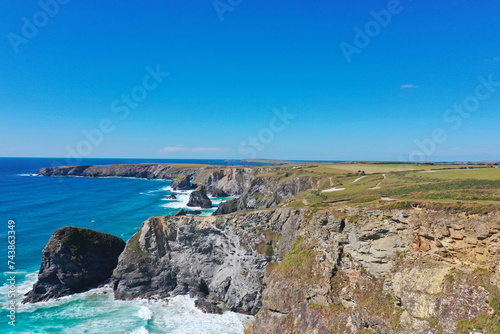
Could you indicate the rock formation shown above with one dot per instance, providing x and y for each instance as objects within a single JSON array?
[
  {"x": 394, "y": 271},
  {"x": 227, "y": 207},
  {"x": 180, "y": 212},
  {"x": 75, "y": 260},
  {"x": 224, "y": 257},
  {"x": 254, "y": 191},
  {"x": 339, "y": 270},
  {"x": 182, "y": 182},
  {"x": 326, "y": 268},
  {"x": 145, "y": 170},
  {"x": 207, "y": 306},
  {"x": 199, "y": 198}
]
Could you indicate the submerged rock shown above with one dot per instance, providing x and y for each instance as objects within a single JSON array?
[
  {"x": 75, "y": 260},
  {"x": 199, "y": 198},
  {"x": 207, "y": 306}
]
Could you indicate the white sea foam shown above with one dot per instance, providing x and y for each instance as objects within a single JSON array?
[
  {"x": 182, "y": 317},
  {"x": 96, "y": 311},
  {"x": 145, "y": 313},
  {"x": 181, "y": 201},
  {"x": 140, "y": 330}
]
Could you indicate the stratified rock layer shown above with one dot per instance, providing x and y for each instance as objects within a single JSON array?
[
  {"x": 75, "y": 260},
  {"x": 387, "y": 271},
  {"x": 224, "y": 257},
  {"x": 338, "y": 270}
]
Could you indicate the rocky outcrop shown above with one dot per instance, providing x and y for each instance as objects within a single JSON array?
[
  {"x": 223, "y": 258},
  {"x": 199, "y": 198},
  {"x": 180, "y": 212},
  {"x": 394, "y": 271},
  {"x": 182, "y": 182},
  {"x": 268, "y": 192},
  {"x": 227, "y": 207},
  {"x": 337, "y": 270},
  {"x": 75, "y": 260},
  {"x": 207, "y": 306}
]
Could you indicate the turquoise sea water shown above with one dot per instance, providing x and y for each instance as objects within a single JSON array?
[{"x": 40, "y": 205}]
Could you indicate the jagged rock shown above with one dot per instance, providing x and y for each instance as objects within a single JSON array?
[
  {"x": 75, "y": 260},
  {"x": 383, "y": 271},
  {"x": 199, "y": 198},
  {"x": 207, "y": 306},
  {"x": 220, "y": 193},
  {"x": 172, "y": 196},
  {"x": 193, "y": 212},
  {"x": 180, "y": 212},
  {"x": 227, "y": 207},
  {"x": 182, "y": 182},
  {"x": 223, "y": 257}
]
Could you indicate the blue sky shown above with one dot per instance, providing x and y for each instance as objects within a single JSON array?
[{"x": 75, "y": 84}]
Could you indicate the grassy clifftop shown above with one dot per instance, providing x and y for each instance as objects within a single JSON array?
[{"x": 382, "y": 184}]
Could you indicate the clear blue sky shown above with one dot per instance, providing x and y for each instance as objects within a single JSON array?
[{"x": 227, "y": 77}]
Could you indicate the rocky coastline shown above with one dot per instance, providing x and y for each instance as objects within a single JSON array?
[{"x": 335, "y": 268}]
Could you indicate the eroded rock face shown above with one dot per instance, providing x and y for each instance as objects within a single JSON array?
[
  {"x": 224, "y": 257},
  {"x": 147, "y": 170},
  {"x": 396, "y": 271},
  {"x": 199, "y": 198},
  {"x": 75, "y": 260}
]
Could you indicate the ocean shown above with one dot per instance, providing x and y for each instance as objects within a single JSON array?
[{"x": 40, "y": 205}]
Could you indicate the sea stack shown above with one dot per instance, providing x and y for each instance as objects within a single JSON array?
[
  {"x": 199, "y": 198},
  {"x": 182, "y": 182},
  {"x": 75, "y": 260}
]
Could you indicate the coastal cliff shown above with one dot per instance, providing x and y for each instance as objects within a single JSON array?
[
  {"x": 255, "y": 187},
  {"x": 145, "y": 170},
  {"x": 338, "y": 270},
  {"x": 331, "y": 260},
  {"x": 221, "y": 258},
  {"x": 353, "y": 270}
]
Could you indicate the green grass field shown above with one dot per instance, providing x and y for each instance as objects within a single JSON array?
[
  {"x": 461, "y": 174},
  {"x": 449, "y": 184}
]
